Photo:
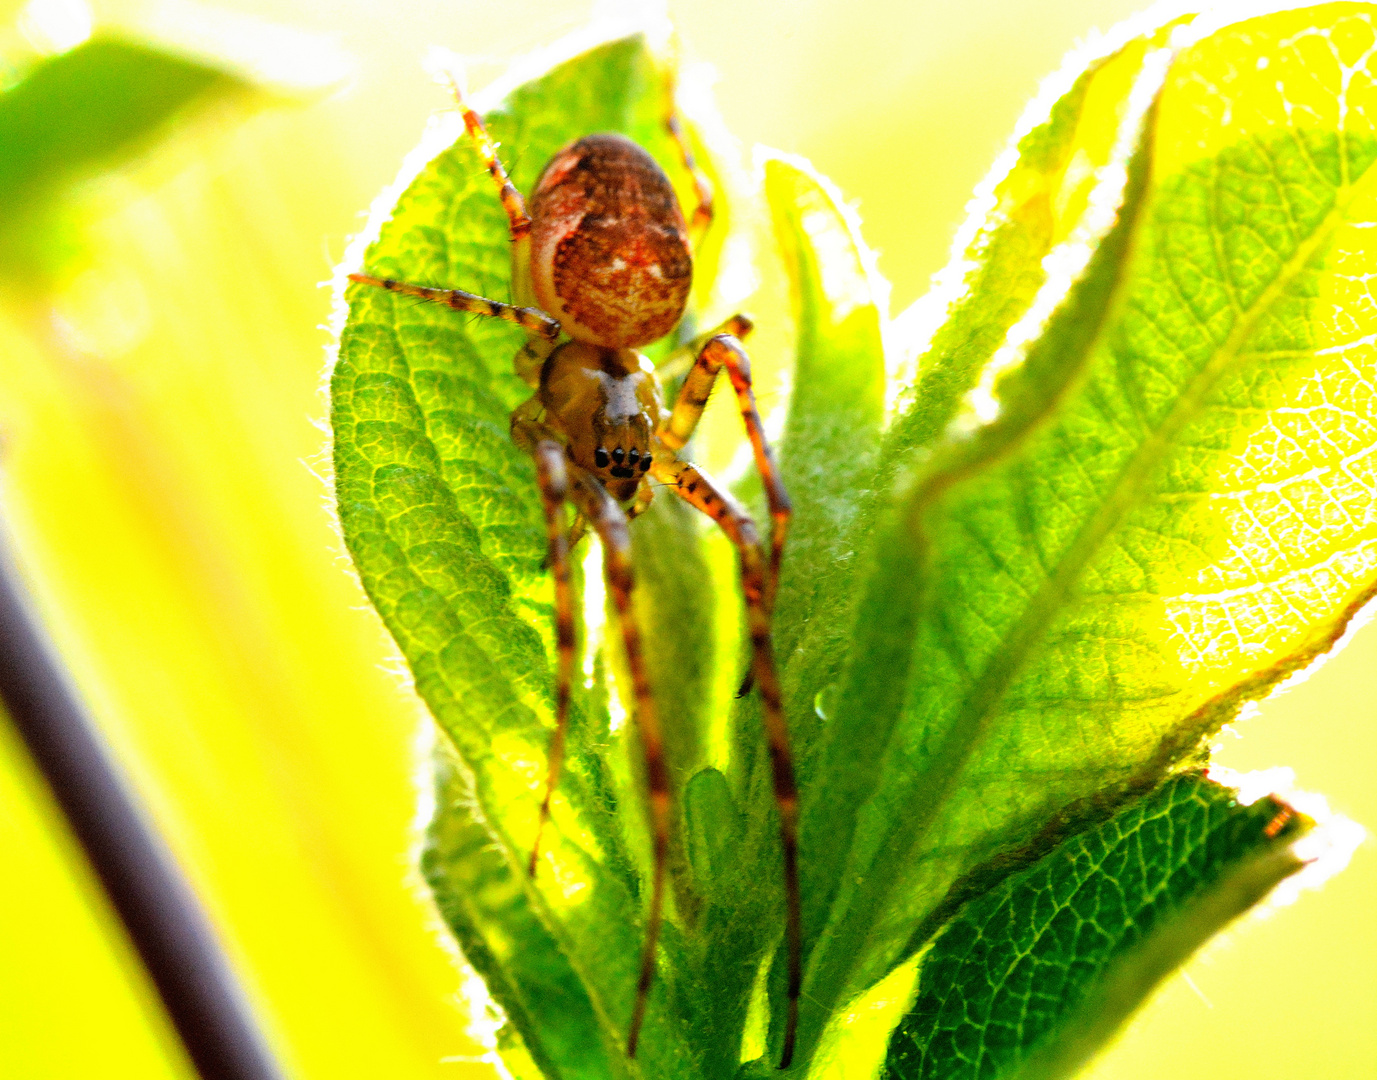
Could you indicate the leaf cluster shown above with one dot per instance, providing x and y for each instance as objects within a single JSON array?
[{"x": 1127, "y": 487}]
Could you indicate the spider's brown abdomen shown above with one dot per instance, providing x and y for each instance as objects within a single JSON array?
[{"x": 610, "y": 256}]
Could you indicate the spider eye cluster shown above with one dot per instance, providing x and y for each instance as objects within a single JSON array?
[
  {"x": 622, "y": 461},
  {"x": 610, "y": 253}
]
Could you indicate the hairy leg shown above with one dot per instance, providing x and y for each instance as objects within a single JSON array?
[
  {"x": 524, "y": 312},
  {"x": 724, "y": 350},
  {"x": 702, "y": 186},
  {"x": 699, "y": 490},
  {"x": 552, "y": 476},
  {"x": 518, "y": 220},
  {"x": 532, "y": 320},
  {"x": 606, "y": 518}
]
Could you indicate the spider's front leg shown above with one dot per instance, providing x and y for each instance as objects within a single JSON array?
[
  {"x": 702, "y": 492},
  {"x": 523, "y": 313},
  {"x": 561, "y": 479},
  {"x": 723, "y": 349},
  {"x": 608, "y": 520},
  {"x": 552, "y": 477}
]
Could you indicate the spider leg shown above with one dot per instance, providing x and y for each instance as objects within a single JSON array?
[
  {"x": 552, "y": 476},
  {"x": 518, "y": 220},
  {"x": 699, "y": 490},
  {"x": 724, "y": 350},
  {"x": 702, "y": 213},
  {"x": 577, "y": 531},
  {"x": 532, "y": 320},
  {"x": 702, "y": 186},
  {"x": 524, "y": 312},
  {"x": 680, "y": 362},
  {"x": 607, "y": 519}
]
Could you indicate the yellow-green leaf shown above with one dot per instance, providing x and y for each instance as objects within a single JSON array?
[{"x": 1148, "y": 513}]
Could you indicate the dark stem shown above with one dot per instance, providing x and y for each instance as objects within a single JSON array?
[{"x": 157, "y": 905}]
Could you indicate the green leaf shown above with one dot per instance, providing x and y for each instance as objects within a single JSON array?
[
  {"x": 831, "y": 441},
  {"x": 1030, "y": 978},
  {"x": 440, "y": 512},
  {"x": 874, "y": 702},
  {"x": 79, "y": 112},
  {"x": 89, "y": 107},
  {"x": 1170, "y": 510},
  {"x": 482, "y": 898},
  {"x": 1031, "y": 204},
  {"x": 1043, "y": 197}
]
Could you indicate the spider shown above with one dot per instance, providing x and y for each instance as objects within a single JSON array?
[{"x": 601, "y": 266}]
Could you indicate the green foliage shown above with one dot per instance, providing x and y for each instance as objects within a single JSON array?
[
  {"x": 1030, "y": 977},
  {"x": 1129, "y": 490},
  {"x": 83, "y": 109},
  {"x": 73, "y": 114}
]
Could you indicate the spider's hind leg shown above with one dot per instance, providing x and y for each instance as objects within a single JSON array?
[{"x": 702, "y": 186}]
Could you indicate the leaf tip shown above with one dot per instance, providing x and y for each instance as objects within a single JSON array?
[{"x": 1324, "y": 840}]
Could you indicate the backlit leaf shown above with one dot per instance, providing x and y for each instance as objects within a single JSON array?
[
  {"x": 1170, "y": 511},
  {"x": 1031, "y": 978}
]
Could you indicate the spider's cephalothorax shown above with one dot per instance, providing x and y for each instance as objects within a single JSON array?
[
  {"x": 602, "y": 266},
  {"x": 606, "y": 403}
]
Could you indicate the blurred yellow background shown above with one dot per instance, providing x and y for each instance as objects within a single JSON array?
[{"x": 162, "y": 479}]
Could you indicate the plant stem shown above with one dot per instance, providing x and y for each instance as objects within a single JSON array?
[{"x": 157, "y": 905}]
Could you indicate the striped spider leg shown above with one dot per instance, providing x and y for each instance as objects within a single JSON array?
[{"x": 758, "y": 581}]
